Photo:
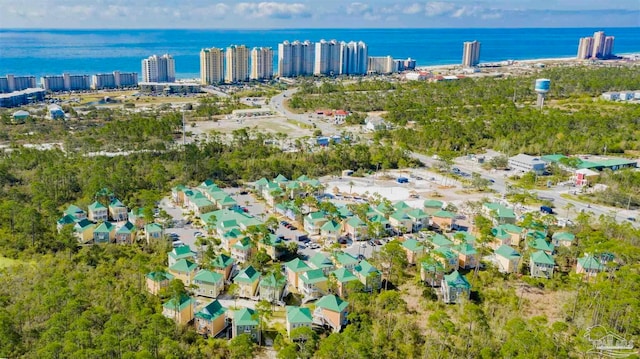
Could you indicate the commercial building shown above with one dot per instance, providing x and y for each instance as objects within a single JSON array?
[
  {"x": 526, "y": 163},
  {"x": 170, "y": 87},
  {"x": 12, "y": 83},
  {"x": 380, "y": 65},
  {"x": 159, "y": 69},
  {"x": 471, "y": 54},
  {"x": 237, "y": 64},
  {"x": 585, "y": 48},
  {"x": 113, "y": 80},
  {"x": 296, "y": 58},
  {"x": 211, "y": 66},
  {"x": 261, "y": 63},
  {"x": 22, "y": 97}
]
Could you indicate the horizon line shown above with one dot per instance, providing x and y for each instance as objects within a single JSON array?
[{"x": 306, "y": 28}]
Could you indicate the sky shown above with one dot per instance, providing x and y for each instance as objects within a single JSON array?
[{"x": 213, "y": 14}]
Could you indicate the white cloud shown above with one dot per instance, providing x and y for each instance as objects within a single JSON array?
[
  {"x": 217, "y": 11},
  {"x": 276, "y": 10},
  {"x": 438, "y": 8},
  {"x": 413, "y": 9},
  {"x": 358, "y": 8},
  {"x": 363, "y": 10}
]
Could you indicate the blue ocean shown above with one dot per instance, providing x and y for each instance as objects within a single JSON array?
[{"x": 49, "y": 52}]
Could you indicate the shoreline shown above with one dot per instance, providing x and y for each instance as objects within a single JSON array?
[{"x": 511, "y": 62}]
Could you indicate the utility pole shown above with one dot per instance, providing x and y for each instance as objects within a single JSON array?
[{"x": 184, "y": 140}]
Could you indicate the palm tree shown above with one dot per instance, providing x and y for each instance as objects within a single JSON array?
[{"x": 569, "y": 206}]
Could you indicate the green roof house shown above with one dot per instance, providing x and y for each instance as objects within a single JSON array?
[
  {"x": 507, "y": 259},
  {"x": 271, "y": 288},
  {"x": 314, "y": 221},
  {"x": 179, "y": 309},
  {"x": 76, "y": 212},
  {"x": 247, "y": 281},
  {"x": 541, "y": 264},
  {"x": 499, "y": 213},
  {"x": 294, "y": 268},
  {"x": 126, "y": 233},
  {"x": 431, "y": 206},
  {"x": 368, "y": 275},
  {"x": 563, "y": 239},
  {"x": 245, "y": 321},
  {"x": 181, "y": 252},
  {"x": 343, "y": 276},
  {"x": 65, "y": 220},
  {"x": 332, "y": 311},
  {"x": 184, "y": 270},
  {"x": 223, "y": 265},
  {"x": 312, "y": 283},
  {"x": 344, "y": 260},
  {"x": 83, "y": 230},
  {"x": 589, "y": 265},
  {"x": 105, "y": 232},
  {"x": 210, "y": 320},
  {"x": 98, "y": 212},
  {"x": 321, "y": 261},
  {"x": 443, "y": 220},
  {"x": 331, "y": 230},
  {"x": 467, "y": 255},
  {"x": 298, "y": 317},
  {"x": 455, "y": 288},
  {"x": 540, "y": 243},
  {"x": 414, "y": 249},
  {"x": 431, "y": 271},
  {"x": 117, "y": 210},
  {"x": 153, "y": 231},
  {"x": 242, "y": 250},
  {"x": 439, "y": 241},
  {"x": 156, "y": 281},
  {"x": 356, "y": 228},
  {"x": 208, "y": 284}
]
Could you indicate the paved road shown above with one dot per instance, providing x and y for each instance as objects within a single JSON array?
[{"x": 276, "y": 104}]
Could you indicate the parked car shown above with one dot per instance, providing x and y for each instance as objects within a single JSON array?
[{"x": 546, "y": 209}]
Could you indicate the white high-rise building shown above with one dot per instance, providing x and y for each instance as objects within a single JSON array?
[
  {"x": 607, "y": 52},
  {"x": 261, "y": 63},
  {"x": 598, "y": 44},
  {"x": 354, "y": 58},
  {"x": 327, "y": 58},
  {"x": 296, "y": 58},
  {"x": 471, "y": 54},
  {"x": 585, "y": 48},
  {"x": 12, "y": 83},
  {"x": 159, "y": 69},
  {"x": 237, "y": 64},
  {"x": 211, "y": 66},
  {"x": 380, "y": 65}
]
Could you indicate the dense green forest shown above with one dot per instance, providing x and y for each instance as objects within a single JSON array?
[{"x": 498, "y": 113}]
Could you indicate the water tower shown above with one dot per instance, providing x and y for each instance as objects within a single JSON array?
[{"x": 542, "y": 87}]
